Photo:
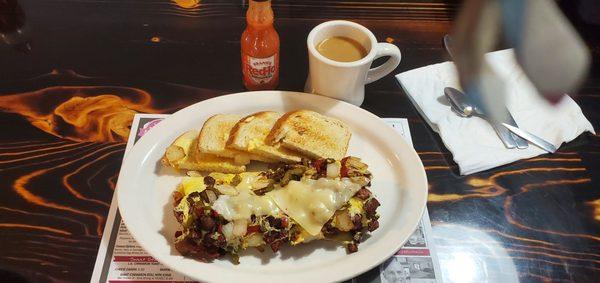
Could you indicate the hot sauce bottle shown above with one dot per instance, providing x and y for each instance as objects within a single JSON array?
[{"x": 260, "y": 47}]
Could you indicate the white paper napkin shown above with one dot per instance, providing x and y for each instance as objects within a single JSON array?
[{"x": 473, "y": 142}]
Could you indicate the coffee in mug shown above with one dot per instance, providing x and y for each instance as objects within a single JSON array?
[
  {"x": 340, "y": 54},
  {"x": 341, "y": 49}
]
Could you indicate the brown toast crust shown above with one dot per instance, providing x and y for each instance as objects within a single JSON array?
[
  {"x": 237, "y": 126},
  {"x": 202, "y": 130},
  {"x": 270, "y": 140},
  {"x": 244, "y": 133},
  {"x": 311, "y": 134}
]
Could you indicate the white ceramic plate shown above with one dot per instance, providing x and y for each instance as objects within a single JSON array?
[{"x": 400, "y": 184}]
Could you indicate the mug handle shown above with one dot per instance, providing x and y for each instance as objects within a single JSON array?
[{"x": 384, "y": 49}]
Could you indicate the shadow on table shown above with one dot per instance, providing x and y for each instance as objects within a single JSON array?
[{"x": 11, "y": 276}]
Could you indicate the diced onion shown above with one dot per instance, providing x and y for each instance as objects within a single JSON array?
[
  {"x": 227, "y": 230},
  {"x": 356, "y": 163},
  {"x": 240, "y": 227},
  {"x": 260, "y": 183},
  {"x": 333, "y": 170},
  {"x": 212, "y": 197},
  {"x": 361, "y": 180},
  {"x": 227, "y": 189},
  {"x": 194, "y": 174}
]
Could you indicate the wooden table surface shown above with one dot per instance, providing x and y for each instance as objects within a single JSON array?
[{"x": 67, "y": 101}]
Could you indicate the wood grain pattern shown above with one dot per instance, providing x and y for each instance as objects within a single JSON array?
[{"x": 63, "y": 131}]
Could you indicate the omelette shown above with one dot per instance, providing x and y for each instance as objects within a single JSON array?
[{"x": 324, "y": 199}]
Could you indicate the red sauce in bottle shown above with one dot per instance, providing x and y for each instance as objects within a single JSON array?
[{"x": 260, "y": 48}]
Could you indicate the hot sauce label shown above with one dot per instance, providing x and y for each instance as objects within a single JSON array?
[{"x": 259, "y": 70}]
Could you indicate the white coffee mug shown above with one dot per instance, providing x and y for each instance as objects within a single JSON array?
[{"x": 346, "y": 80}]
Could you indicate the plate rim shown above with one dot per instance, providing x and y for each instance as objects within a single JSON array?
[{"x": 146, "y": 139}]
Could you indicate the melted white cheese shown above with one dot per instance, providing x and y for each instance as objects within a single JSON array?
[
  {"x": 311, "y": 203},
  {"x": 245, "y": 203}
]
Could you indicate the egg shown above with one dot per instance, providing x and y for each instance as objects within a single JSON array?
[
  {"x": 192, "y": 184},
  {"x": 356, "y": 206}
]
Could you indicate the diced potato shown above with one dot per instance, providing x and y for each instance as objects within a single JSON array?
[
  {"x": 255, "y": 240},
  {"x": 173, "y": 154},
  {"x": 240, "y": 227},
  {"x": 342, "y": 221}
]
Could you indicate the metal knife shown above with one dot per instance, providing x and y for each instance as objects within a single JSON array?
[
  {"x": 460, "y": 101},
  {"x": 509, "y": 139},
  {"x": 521, "y": 143},
  {"x": 532, "y": 138}
]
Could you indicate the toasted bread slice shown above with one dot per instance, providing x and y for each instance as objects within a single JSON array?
[
  {"x": 250, "y": 133},
  {"x": 182, "y": 154},
  {"x": 214, "y": 135},
  {"x": 311, "y": 134}
]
